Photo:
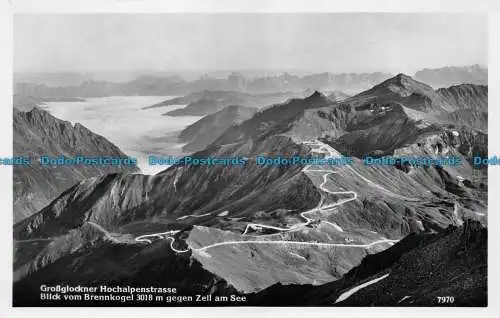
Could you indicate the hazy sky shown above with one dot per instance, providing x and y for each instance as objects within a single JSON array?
[{"x": 310, "y": 42}]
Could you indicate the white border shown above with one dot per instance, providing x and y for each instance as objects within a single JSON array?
[
  {"x": 213, "y": 6},
  {"x": 134, "y": 6}
]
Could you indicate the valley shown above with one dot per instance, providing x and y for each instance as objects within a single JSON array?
[{"x": 113, "y": 116}]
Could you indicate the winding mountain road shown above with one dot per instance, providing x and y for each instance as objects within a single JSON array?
[
  {"x": 318, "y": 147},
  {"x": 319, "y": 244},
  {"x": 320, "y": 207}
]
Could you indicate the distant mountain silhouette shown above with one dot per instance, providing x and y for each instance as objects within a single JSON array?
[
  {"x": 448, "y": 76},
  {"x": 174, "y": 85},
  {"x": 209, "y": 102},
  {"x": 27, "y": 103}
]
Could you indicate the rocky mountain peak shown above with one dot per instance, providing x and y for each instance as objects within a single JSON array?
[
  {"x": 38, "y": 112},
  {"x": 317, "y": 96},
  {"x": 40, "y": 118},
  {"x": 406, "y": 82},
  {"x": 400, "y": 86},
  {"x": 403, "y": 78}
]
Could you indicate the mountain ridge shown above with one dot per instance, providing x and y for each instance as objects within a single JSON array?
[
  {"x": 455, "y": 252},
  {"x": 206, "y": 130},
  {"x": 37, "y": 133}
]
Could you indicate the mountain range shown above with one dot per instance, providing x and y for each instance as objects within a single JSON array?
[
  {"x": 448, "y": 76},
  {"x": 151, "y": 85},
  {"x": 175, "y": 85},
  {"x": 244, "y": 229}
]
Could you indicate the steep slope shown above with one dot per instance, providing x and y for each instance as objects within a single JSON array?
[
  {"x": 472, "y": 101},
  {"x": 273, "y": 120},
  {"x": 105, "y": 263},
  {"x": 447, "y": 76},
  {"x": 37, "y": 133},
  {"x": 468, "y": 117},
  {"x": 467, "y": 96},
  {"x": 414, "y": 272},
  {"x": 206, "y": 130},
  {"x": 454, "y": 265},
  {"x": 378, "y": 131}
]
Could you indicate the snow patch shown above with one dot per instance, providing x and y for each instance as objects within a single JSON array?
[
  {"x": 338, "y": 228},
  {"x": 298, "y": 256},
  {"x": 193, "y": 216},
  {"x": 201, "y": 215},
  {"x": 405, "y": 297},
  {"x": 351, "y": 291},
  {"x": 203, "y": 253}
]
